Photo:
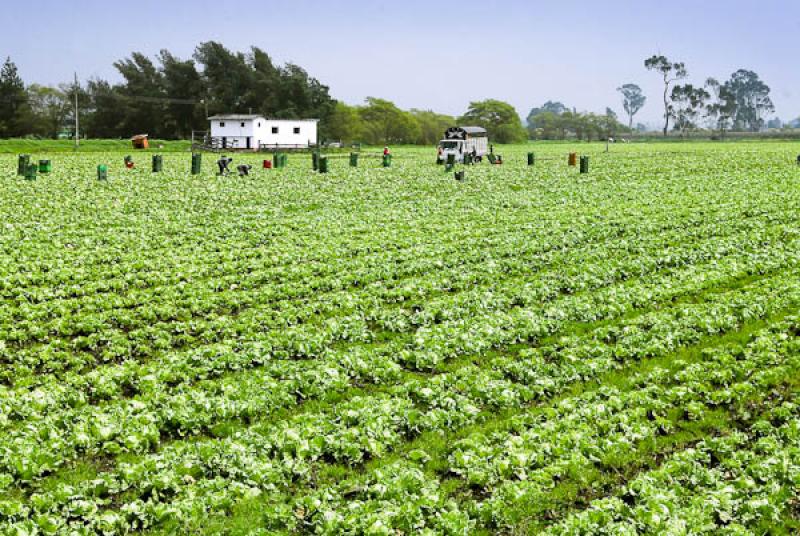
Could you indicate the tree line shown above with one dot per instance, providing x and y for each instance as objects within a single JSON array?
[
  {"x": 381, "y": 121},
  {"x": 554, "y": 121},
  {"x": 741, "y": 103},
  {"x": 169, "y": 97},
  {"x": 166, "y": 96}
]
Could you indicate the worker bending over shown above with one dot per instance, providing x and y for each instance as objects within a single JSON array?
[{"x": 223, "y": 165}]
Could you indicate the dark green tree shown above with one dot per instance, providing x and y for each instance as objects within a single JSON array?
[
  {"x": 686, "y": 104},
  {"x": 104, "y": 117},
  {"x": 549, "y": 107},
  {"x": 670, "y": 72},
  {"x": 752, "y": 99},
  {"x": 721, "y": 107},
  {"x": 344, "y": 123},
  {"x": 499, "y": 118},
  {"x": 264, "y": 93},
  {"x": 14, "y": 109},
  {"x": 227, "y": 77},
  {"x": 633, "y": 100},
  {"x": 383, "y": 122},
  {"x": 301, "y": 95},
  {"x": 50, "y": 108},
  {"x": 549, "y": 126},
  {"x": 184, "y": 90},
  {"x": 141, "y": 96},
  {"x": 432, "y": 126},
  {"x": 238, "y": 83}
]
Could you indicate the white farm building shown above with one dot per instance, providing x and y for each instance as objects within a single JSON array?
[{"x": 247, "y": 131}]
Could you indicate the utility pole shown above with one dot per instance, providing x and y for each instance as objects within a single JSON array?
[{"x": 77, "y": 121}]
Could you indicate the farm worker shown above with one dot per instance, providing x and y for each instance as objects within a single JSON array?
[
  {"x": 223, "y": 165},
  {"x": 244, "y": 170},
  {"x": 129, "y": 162},
  {"x": 385, "y": 151}
]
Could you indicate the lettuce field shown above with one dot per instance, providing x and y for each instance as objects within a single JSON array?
[{"x": 393, "y": 352}]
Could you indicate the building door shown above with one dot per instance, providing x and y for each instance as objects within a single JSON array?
[
  {"x": 248, "y": 142},
  {"x": 224, "y": 142}
]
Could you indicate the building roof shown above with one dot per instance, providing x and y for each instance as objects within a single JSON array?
[
  {"x": 251, "y": 117},
  {"x": 474, "y": 130},
  {"x": 234, "y": 117},
  {"x": 461, "y": 133}
]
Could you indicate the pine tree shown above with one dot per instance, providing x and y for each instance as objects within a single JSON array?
[{"x": 13, "y": 101}]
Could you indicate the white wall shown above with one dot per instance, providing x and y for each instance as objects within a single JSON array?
[
  {"x": 260, "y": 132},
  {"x": 235, "y": 133},
  {"x": 286, "y": 135}
]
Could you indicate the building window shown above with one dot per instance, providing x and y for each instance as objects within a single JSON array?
[
  {"x": 297, "y": 130},
  {"x": 242, "y": 124},
  {"x": 274, "y": 130},
  {"x": 221, "y": 124}
]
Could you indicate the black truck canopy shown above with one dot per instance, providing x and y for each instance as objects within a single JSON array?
[{"x": 462, "y": 133}]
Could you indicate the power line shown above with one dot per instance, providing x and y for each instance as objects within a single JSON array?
[
  {"x": 156, "y": 100},
  {"x": 140, "y": 98}
]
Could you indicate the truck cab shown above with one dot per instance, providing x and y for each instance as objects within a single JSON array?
[
  {"x": 460, "y": 141},
  {"x": 453, "y": 147}
]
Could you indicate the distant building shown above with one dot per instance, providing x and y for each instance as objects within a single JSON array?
[{"x": 247, "y": 131}]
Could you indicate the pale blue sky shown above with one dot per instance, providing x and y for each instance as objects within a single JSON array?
[{"x": 425, "y": 54}]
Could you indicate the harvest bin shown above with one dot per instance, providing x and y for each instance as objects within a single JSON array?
[
  {"x": 102, "y": 172},
  {"x": 584, "y": 164},
  {"x": 45, "y": 166},
  {"x": 531, "y": 159},
  {"x": 197, "y": 163},
  {"x": 573, "y": 159},
  {"x": 22, "y": 163},
  {"x": 140, "y": 142},
  {"x": 30, "y": 172},
  {"x": 323, "y": 164},
  {"x": 353, "y": 159},
  {"x": 158, "y": 163}
]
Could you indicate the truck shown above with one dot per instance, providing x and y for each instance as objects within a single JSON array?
[{"x": 460, "y": 141}]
